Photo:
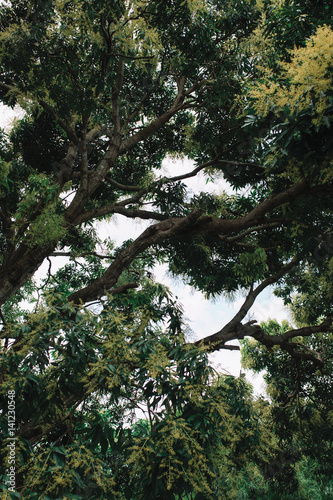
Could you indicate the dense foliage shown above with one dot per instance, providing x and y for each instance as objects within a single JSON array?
[
  {"x": 301, "y": 417},
  {"x": 111, "y": 89}
]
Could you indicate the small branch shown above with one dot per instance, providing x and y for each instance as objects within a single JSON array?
[
  {"x": 193, "y": 173},
  {"x": 131, "y": 213},
  {"x": 85, "y": 254},
  {"x": 122, "y": 187},
  {"x": 232, "y": 239},
  {"x": 156, "y": 124},
  {"x": 133, "y": 58},
  {"x": 48, "y": 272}
]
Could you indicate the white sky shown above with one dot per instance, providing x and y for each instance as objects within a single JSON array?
[{"x": 204, "y": 317}]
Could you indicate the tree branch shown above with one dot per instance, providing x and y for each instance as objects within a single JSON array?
[
  {"x": 65, "y": 126},
  {"x": 131, "y": 213},
  {"x": 300, "y": 332},
  {"x": 122, "y": 288},
  {"x": 122, "y": 187},
  {"x": 233, "y": 239},
  {"x": 152, "y": 235},
  {"x": 192, "y": 224},
  {"x": 158, "y": 122},
  {"x": 234, "y": 329},
  {"x": 85, "y": 254},
  {"x": 115, "y": 100}
]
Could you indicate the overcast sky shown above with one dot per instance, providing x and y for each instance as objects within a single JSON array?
[{"x": 204, "y": 317}]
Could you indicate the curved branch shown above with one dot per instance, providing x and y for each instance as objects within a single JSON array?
[
  {"x": 234, "y": 330},
  {"x": 193, "y": 172},
  {"x": 122, "y": 187},
  {"x": 300, "y": 332},
  {"x": 296, "y": 350},
  {"x": 131, "y": 213},
  {"x": 156, "y": 124},
  {"x": 275, "y": 223},
  {"x": 192, "y": 224},
  {"x": 152, "y": 235}
]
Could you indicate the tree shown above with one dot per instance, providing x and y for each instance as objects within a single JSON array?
[
  {"x": 300, "y": 416},
  {"x": 110, "y": 90}
]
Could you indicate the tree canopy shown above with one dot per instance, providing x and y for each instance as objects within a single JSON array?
[{"x": 111, "y": 89}]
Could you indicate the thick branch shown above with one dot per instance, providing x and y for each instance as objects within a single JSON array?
[
  {"x": 123, "y": 288},
  {"x": 300, "y": 332},
  {"x": 296, "y": 349},
  {"x": 12, "y": 279},
  {"x": 152, "y": 235},
  {"x": 192, "y": 224}
]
